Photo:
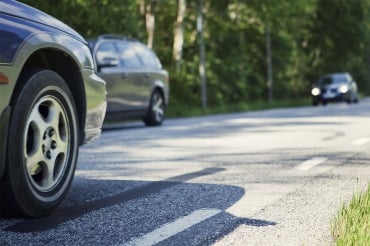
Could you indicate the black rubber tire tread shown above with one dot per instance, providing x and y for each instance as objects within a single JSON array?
[
  {"x": 18, "y": 196},
  {"x": 151, "y": 119}
]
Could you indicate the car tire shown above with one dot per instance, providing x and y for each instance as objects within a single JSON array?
[
  {"x": 350, "y": 99},
  {"x": 155, "y": 115},
  {"x": 42, "y": 147},
  {"x": 355, "y": 98}
]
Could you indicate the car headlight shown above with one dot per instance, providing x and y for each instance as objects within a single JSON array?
[
  {"x": 316, "y": 91},
  {"x": 343, "y": 88}
]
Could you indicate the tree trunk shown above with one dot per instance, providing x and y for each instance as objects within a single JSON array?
[
  {"x": 270, "y": 81},
  {"x": 202, "y": 65},
  {"x": 147, "y": 8},
  {"x": 179, "y": 34}
]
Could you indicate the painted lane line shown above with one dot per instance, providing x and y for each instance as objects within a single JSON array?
[
  {"x": 306, "y": 165},
  {"x": 171, "y": 229},
  {"x": 360, "y": 141}
]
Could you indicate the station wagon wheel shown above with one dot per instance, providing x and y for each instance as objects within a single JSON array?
[
  {"x": 155, "y": 115},
  {"x": 42, "y": 146}
]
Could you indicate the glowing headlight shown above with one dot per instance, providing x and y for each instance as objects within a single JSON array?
[
  {"x": 316, "y": 91},
  {"x": 343, "y": 88}
]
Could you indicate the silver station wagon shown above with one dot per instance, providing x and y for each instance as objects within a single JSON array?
[{"x": 137, "y": 85}]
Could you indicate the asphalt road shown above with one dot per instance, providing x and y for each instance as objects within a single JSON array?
[{"x": 274, "y": 177}]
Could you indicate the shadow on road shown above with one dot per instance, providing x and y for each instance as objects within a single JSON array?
[{"x": 134, "y": 208}]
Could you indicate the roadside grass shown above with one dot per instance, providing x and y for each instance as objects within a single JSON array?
[
  {"x": 176, "y": 109},
  {"x": 352, "y": 224}
]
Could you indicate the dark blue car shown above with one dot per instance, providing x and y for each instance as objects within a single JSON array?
[
  {"x": 51, "y": 102},
  {"x": 335, "y": 87}
]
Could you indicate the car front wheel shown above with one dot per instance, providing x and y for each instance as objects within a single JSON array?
[
  {"x": 42, "y": 146},
  {"x": 155, "y": 115}
]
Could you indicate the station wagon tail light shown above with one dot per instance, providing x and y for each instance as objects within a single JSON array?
[
  {"x": 3, "y": 79},
  {"x": 316, "y": 91}
]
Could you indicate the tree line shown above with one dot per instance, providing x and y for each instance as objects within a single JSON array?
[{"x": 232, "y": 51}]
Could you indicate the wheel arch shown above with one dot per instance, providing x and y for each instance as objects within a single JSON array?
[
  {"x": 160, "y": 89},
  {"x": 63, "y": 64}
]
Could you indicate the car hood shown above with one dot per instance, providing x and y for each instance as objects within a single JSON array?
[
  {"x": 332, "y": 86},
  {"x": 20, "y": 10}
]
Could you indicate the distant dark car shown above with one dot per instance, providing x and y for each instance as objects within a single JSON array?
[
  {"x": 51, "y": 102},
  {"x": 137, "y": 85},
  {"x": 335, "y": 87}
]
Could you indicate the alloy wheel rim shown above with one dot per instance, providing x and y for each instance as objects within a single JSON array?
[
  {"x": 158, "y": 107},
  {"x": 46, "y": 143}
]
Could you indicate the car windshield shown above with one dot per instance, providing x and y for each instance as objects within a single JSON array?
[{"x": 332, "y": 79}]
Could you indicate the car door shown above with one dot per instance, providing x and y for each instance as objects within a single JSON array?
[
  {"x": 150, "y": 69},
  {"x": 107, "y": 60},
  {"x": 119, "y": 67},
  {"x": 134, "y": 78}
]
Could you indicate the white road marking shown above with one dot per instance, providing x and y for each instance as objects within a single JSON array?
[
  {"x": 173, "y": 228},
  {"x": 306, "y": 165},
  {"x": 360, "y": 141}
]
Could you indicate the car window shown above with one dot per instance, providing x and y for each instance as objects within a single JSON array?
[
  {"x": 333, "y": 79},
  {"x": 325, "y": 81},
  {"x": 339, "y": 78},
  {"x": 128, "y": 57},
  {"x": 106, "y": 52},
  {"x": 146, "y": 56}
]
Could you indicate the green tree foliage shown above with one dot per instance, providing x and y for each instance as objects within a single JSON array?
[
  {"x": 340, "y": 38},
  {"x": 95, "y": 17},
  {"x": 308, "y": 38}
]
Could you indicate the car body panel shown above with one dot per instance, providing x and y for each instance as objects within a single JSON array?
[
  {"x": 35, "y": 16},
  {"x": 126, "y": 88},
  {"x": 35, "y": 42},
  {"x": 95, "y": 91}
]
